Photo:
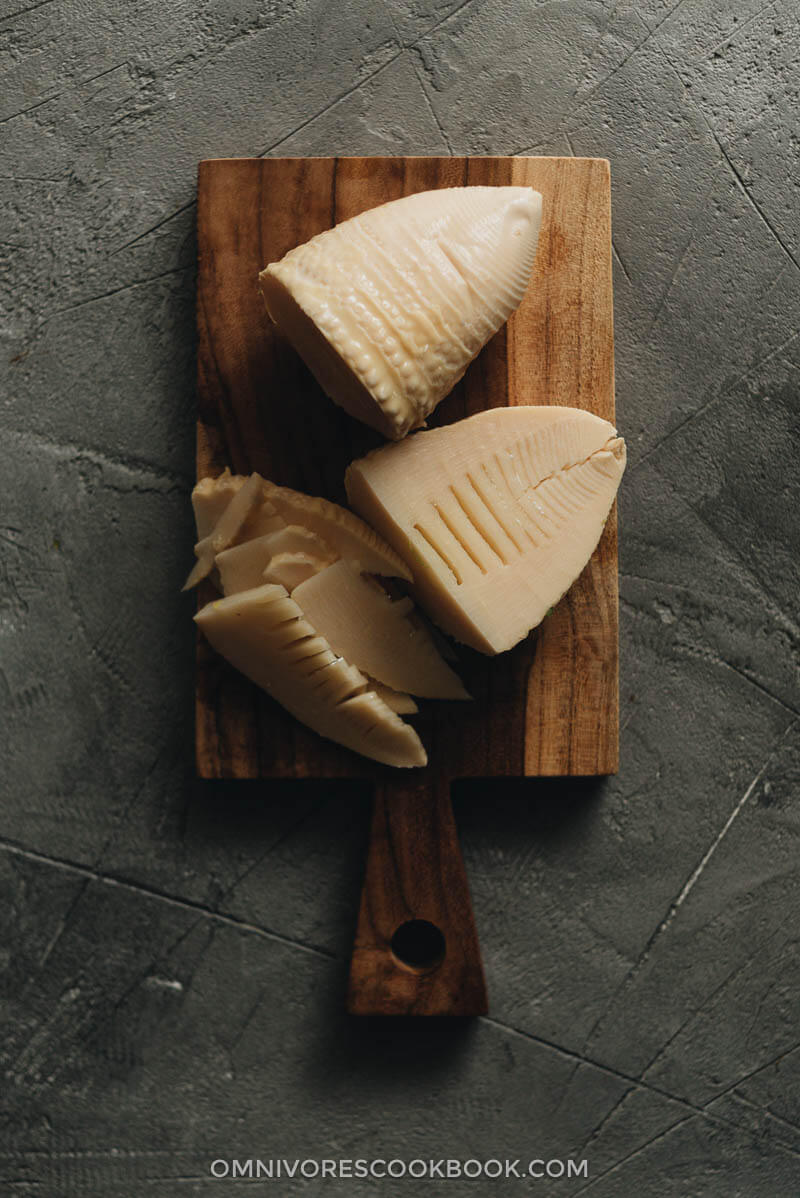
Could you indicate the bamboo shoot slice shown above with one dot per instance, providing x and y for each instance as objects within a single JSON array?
[
  {"x": 263, "y": 633},
  {"x": 290, "y": 569},
  {"x": 288, "y": 556},
  {"x": 400, "y": 702},
  {"x": 344, "y": 532},
  {"x": 210, "y": 498},
  {"x": 363, "y": 624},
  {"x": 241, "y": 504},
  {"x": 497, "y": 514}
]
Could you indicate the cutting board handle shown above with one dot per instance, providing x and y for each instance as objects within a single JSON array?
[{"x": 416, "y": 950}]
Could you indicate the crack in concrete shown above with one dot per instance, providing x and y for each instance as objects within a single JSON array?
[
  {"x": 712, "y": 400},
  {"x": 596, "y": 1132},
  {"x": 702, "y": 652},
  {"x": 153, "y": 228},
  {"x": 344, "y": 95},
  {"x": 618, "y": 257},
  {"x": 102, "y": 74},
  {"x": 636, "y": 1152},
  {"x": 716, "y": 660},
  {"x": 10, "y": 847},
  {"x": 676, "y": 904},
  {"x": 601, "y": 37},
  {"x": 438, "y": 24},
  {"x": 709, "y": 998},
  {"x": 734, "y": 33},
  {"x": 93, "y": 299},
  {"x": 608, "y": 1070},
  {"x": 362, "y": 82},
  {"x": 765, "y": 1110},
  {"x": 752, "y": 1073},
  {"x": 772, "y": 603},
  {"x": 431, "y": 109},
  {"x": 270, "y": 848},
  {"x": 31, "y": 107},
  {"x": 21, "y": 12},
  {"x": 699, "y": 214},
  {"x": 733, "y": 169},
  {"x": 631, "y": 53},
  {"x": 126, "y": 465},
  {"x": 248, "y": 1019}
]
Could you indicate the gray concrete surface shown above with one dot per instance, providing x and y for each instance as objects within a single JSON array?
[{"x": 173, "y": 958}]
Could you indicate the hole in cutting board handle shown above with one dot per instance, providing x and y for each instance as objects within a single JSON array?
[{"x": 419, "y": 945}]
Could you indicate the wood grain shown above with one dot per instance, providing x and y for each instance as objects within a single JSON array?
[
  {"x": 550, "y": 706},
  {"x": 415, "y": 872}
]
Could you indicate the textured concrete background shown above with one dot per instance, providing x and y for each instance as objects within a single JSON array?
[{"x": 173, "y": 959}]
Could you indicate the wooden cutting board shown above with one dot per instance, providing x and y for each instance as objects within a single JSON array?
[{"x": 548, "y": 707}]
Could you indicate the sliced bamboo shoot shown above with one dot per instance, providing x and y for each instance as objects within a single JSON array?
[
  {"x": 497, "y": 514},
  {"x": 363, "y": 624},
  {"x": 290, "y": 569},
  {"x": 261, "y": 507},
  {"x": 263, "y": 519},
  {"x": 263, "y": 633},
  {"x": 210, "y": 498},
  {"x": 402, "y": 703},
  {"x": 339, "y": 528},
  {"x": 233, "y": 515},
  {"x": 243, "y": 566},
  {"x": 288, "y": 556},
  {"x": 297, "y": 538}
]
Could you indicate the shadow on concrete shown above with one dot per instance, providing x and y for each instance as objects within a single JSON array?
[
  {"x": 239, "y": 809},
  {"x": 370, "y": 1052},
  {"x": 365, "y": 1051},
  {"x": 517, "y": 811}
]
